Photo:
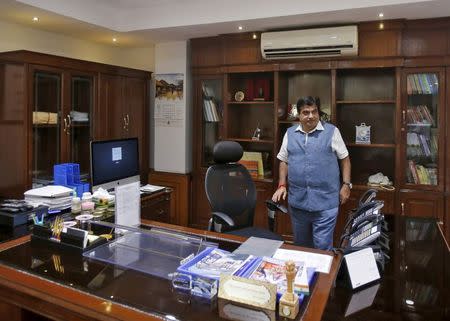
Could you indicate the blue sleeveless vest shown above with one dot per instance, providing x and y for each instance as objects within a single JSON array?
[{"x": 313, "y": 170}]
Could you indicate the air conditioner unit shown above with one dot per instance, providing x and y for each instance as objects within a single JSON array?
[{"x": 322, "y": 42}]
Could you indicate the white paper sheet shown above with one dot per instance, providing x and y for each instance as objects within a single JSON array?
[
  {"x": 128, "y": 204},
  {"x": 321, "y": 262},
  {"x": 362, "y": 267}
]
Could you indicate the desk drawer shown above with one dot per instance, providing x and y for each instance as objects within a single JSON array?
[{"x": 156, "y": 209}]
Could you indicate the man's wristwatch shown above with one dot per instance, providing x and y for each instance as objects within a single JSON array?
[{"x": 350, "y": 185}]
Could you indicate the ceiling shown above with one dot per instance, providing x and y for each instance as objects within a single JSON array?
[{"x": 140, "y": 23}]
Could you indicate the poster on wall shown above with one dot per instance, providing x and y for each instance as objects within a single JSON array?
[{"x": 169, "y": 101}]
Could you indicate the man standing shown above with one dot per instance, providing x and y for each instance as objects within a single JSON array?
[{"x": 309, "y": 160}]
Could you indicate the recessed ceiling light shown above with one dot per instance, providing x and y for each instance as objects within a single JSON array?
[
  {"x": 35, "y": 19},
  {"x": 114, "y": 39},
  {"x": 381, "y": 15},
  {"x": 240, "y": 28}
]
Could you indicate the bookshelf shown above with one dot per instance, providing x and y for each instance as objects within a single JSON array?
[{"x": 420, "y": 119}]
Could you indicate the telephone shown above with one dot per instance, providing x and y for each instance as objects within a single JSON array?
[
  {"x": 367, "y": 212},
  {"x": 365, "y": 223}
]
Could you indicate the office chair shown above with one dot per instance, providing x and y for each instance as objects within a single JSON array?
[{"x": 231, "y": 194}]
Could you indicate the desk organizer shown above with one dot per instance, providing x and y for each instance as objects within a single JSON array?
[
  {"x": 43, "y": 236},
  {"x": 68, "y": 174}
]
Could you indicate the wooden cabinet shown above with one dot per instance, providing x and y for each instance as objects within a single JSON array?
[
  {"x": 62, "y": 107},
  {"x": 157, "y": 207},
  {"x": 401, "y": 91},
  {"x": 52, "y": 107},
  {"x": 420, "y": 204},
  {"x": 126, "y": 100}
]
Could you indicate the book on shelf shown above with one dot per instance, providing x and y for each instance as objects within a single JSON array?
[
  {"x": 255, "y": 156},
  {"x": 210, "y": 109},
  {"x": 251, "y": 166},
  {"x": 421, "y": 84}
]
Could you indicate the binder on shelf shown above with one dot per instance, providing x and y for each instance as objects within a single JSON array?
[{"x": 255, "y": 156}]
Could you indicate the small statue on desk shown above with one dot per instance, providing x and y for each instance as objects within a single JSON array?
[{"x": 289, "y": 305}]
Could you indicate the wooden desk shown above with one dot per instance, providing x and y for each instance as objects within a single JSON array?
[
  {"x": 22, "y": 291},
  {"x": 157, "y": 206}
]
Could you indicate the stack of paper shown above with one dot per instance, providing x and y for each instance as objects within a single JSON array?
[{"x": 54, "y": 196}]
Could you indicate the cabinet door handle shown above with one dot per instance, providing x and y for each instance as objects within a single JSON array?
[
  {"x": 404, "y": 117},
  {"x": 160, "y": 211},
  {"x": 403, "y": 208},
  {"x": 128, "y": 119},
  {"x": 124, "y": 123},
  {"x": 65, "y": 125},
  {"x": 69, "y": 120}
]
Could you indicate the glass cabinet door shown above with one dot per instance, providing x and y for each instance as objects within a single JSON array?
[
  {"x": 46, "y": 126},
  {"x": 79, "y": 120},
  {"x": 212, "y": 115},
  {"x": 421, "y": 116}
]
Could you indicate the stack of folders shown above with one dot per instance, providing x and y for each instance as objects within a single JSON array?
[{"x": 56, "y": 197}]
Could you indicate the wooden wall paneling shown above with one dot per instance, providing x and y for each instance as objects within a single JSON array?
[
  {"x": 447, "y": 219},
  {"x": 103, "y": 106},
  {"x": 426, "y": 37},
  {"x": 398, "y": 128},
  {"x": 181, "y": 195},
  {"x": 380, "y": 38},
  {"x": 239, "y": 49},
  {"x": 207, "y": 52},
  {"x": 264, "y": 191},
  {"x": 14, "y": 128},
  {"x": 306, "y": 64},
  {"x": 201, "y": 211}
]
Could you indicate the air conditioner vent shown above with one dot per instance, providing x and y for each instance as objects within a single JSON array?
[{"x": 337, "y": 41}]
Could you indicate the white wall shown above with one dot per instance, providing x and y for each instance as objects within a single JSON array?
[
  {"x": 16, "y": 37},
  {"x": 173, "y": 145}
]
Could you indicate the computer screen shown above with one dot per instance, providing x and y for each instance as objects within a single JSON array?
[{"x": 114, "y": 162}]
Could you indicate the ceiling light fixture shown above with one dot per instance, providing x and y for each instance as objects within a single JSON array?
[
  {"x": 35, "y": 19},
  {"x": 114, "y": 39},
  {"x": 240, "y": 28},
  {"x": 381, "y": 15}
]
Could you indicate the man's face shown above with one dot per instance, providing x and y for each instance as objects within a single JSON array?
[{"x": 309, "y": 117}]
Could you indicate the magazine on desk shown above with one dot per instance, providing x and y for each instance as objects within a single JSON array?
[
  {"x": 273, "y": 271},
  {"x": 217, "y": 262}
]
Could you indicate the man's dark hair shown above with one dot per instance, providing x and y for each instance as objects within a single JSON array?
[{"x": 308, "y": 101}]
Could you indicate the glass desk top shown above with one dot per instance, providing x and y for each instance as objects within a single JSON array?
[
  {"x": 152, "y": 294},
  {"x": 416, "y": 282}
]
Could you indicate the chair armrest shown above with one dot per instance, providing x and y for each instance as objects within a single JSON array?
[{"x": 223, "y": 217}]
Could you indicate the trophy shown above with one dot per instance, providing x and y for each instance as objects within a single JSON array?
[
  {"x": 257, "y": 133},
  {"x": 289, "y": 301}
]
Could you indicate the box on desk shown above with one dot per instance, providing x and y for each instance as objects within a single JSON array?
[{"x": 202, "y": 272}]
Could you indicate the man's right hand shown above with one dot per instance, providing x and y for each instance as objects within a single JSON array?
[{"x": 280, "y": 194}]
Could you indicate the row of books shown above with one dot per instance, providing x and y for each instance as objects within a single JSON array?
[
  {"x": 213, "y": 262},
  {"x": 422, "y": 84},
  {"x": 210, "y": 108},
  {"x": 419, "y": 115},
  {"x": 210, "y": 112},
  {"x": 254, "y": 163},
  {"x": 419, "y": 174},
  {"x": 419, "y": 145}
]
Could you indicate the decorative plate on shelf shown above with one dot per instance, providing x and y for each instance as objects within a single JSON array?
[{"x": 239, "y": 96}]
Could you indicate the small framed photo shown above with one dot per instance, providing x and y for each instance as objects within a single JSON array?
[{"x": 362, "y": 134}]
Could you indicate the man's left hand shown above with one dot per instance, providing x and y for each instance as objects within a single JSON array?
[{"x": 344, "y": 194}]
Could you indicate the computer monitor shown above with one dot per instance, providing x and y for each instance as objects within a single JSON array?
[{"x": 114, "y": 162}]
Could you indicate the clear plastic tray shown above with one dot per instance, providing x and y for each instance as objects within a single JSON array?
[{"x": 158, "y": 252}]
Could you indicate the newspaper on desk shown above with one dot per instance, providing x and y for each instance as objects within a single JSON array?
[{"x": 321, "y": 262}]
